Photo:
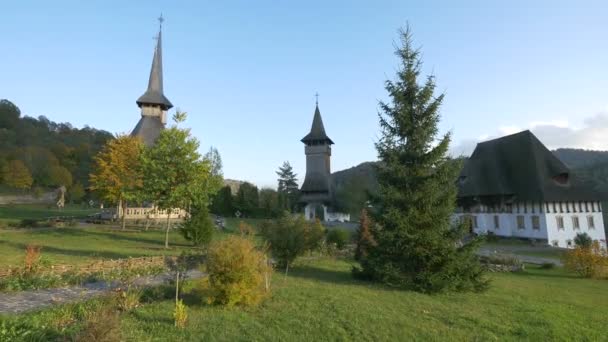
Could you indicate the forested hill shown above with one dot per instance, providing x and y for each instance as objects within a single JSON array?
[
  {"x": 50, "y": 154},
  {"x": 578, "y": 158}
]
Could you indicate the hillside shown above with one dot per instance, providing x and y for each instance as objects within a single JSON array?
[
  {"x": 36, "y": 153},
  {"x": 579, "y": 158}
]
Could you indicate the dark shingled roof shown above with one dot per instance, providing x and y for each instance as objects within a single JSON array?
[
  {"x": 317, "y": 131},
  {"x": 154, "y": 95},
  {"x": 315, "y": 182},
  {"x": 519, "y": 165},
  {"x": 148, "y": 129}
]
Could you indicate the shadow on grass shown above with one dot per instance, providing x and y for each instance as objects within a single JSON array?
[
  {"x": 127, "y": 236},
  {"x": 153, "y": 319},
  {"x": 75, "y": 252},
  {"x": 321, "y": 274}
]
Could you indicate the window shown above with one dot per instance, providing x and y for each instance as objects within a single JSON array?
[
  {"x": 535, "y": 222},
  {"x": 555, "y": 243},
  {"x": 590, "y": 222},
  {"x": 496, "y": 222},
  {"x": 521, "y": 224},
  {"x": 474, "y": 220},
  {"x": 560, "y": 222},
  {"x": 575, "y": 223},
  {"x": 569, "y": 243}
]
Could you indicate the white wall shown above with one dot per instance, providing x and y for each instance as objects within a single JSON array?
[{"x": 548, "y": 222}]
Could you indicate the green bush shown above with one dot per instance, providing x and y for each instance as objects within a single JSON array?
[
  {"x": 339, "y": 237},
  {"x": 199, "y": 228},
  {"x": 289, "y": 237},
  {"x": 238, "y": 273},
  {"x": 583, "y": 240},
  {"x": 29, "y": 223},
  {"x": 547, "y": 265},
  {"x": 102, "y": 325}
]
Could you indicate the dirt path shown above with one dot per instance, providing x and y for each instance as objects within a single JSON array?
[{"x": 17, "y": 302}]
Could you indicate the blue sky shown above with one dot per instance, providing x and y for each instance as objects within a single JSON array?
[{"x": 247, "y": 71}]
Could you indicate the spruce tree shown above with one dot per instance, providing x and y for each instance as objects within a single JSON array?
[
  {"x": 418, "y": 246},
  {"x": 287, "y": 187}
]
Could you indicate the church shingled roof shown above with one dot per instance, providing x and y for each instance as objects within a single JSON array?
[
  {"x": 317, "y": 130},
  {"x": 148, "y": 129},
  {"x": 519, "y": 165},
  {"x": 154, "y": 94}
]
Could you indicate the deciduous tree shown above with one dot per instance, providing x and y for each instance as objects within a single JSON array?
[
  {"x": 175, "y": 174},
  {"x": 117, "y": 173},
  {"x": 17, "y": 175}
]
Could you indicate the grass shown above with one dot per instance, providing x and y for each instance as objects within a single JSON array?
[
  {"x": 321, "y": 301},
  {"x": 19, "y": 212},
  {"x": 81, "y": 245}
]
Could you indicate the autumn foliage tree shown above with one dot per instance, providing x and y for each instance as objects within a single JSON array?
[
  {"x": 365, "y": 239},
  {"x": 16, "y": 175},
  {"x": 117, "y": 173}
]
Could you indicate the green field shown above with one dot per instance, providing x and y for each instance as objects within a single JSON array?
[
  {"x": 19, "y": 212},
  {"x": 320, "y": 301}
]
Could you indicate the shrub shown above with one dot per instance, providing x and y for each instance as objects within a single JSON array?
[
  {"x": 180, "y": 315},
  {"x": 499, "y": 259},
  {"x": 238, "y": 273},
  {"x": 127, "y": 300},
  {"x": 245, "y": 229},
  {"x": 588, "y": 262},
  {"x": 289, "y": 237},
  {"x": 29, "y": 223},
  {"x": 101, "y": 326},
  {"x": 198, "y": 228},
  {"x": 364, "y": 237},
  {"x": 314, "y": 235},
  {"x": 583, "y": 240},
  {"x": 339, "y": 237},
  {"x": 547, "y": 265}
]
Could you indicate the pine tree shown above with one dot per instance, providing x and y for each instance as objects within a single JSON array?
[
  {"x": 287, "y": 187},
  {"x": 418, "y": 246}
]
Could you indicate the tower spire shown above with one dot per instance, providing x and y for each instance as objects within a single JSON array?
[{"x": 154, "y": 94}]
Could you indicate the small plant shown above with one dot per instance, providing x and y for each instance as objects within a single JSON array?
[
  {"x": 32, "y": 258},
  {"x": 180, "y": 314},
  {"x": 238, "y": 273},
  {"x": 339, "y": 237},
  {"x": 127, "y": 300},
  {"x": 102, "y": 325},
  {"x": 588, "y": 262},
  {"x": 246, "y": 229}
]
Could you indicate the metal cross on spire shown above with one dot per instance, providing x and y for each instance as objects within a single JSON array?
[
  {"x": 160, "y": 20},
  {"x": 317, "y": 98}
]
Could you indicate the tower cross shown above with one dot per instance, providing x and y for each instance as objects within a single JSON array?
[
  {"x": 160, "y": 20},
  {"x": 317, "y": 98}
]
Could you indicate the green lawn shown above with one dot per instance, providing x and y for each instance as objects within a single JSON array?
[
  {"x": 320, "y": 301},
  {"x": 30, "y": 211},
  {"x": 84, "y": 245}
]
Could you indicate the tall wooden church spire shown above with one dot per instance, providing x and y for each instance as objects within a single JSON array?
[
  {"x": 153, "y": 103},
  {"x": 154, "y": 94}
]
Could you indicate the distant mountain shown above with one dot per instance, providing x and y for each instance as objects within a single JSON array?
[
  {"x": 579, "y": 158},
  {"x": 351, "y": 187},
  {"x": 233, "y": 184}
]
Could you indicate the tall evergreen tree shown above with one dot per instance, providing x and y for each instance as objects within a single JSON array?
[
  {"x": 417, "y": 244},
  {"x": 287, "y": 187}
]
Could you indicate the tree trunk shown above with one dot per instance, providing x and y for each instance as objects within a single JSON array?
[
  {"x": 286, "y": 268},
  {"x": 124, "y": 214},
  {"x": 168, "y": 226}
]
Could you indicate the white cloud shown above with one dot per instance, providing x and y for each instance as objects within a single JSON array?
[{"x": 592, "y": 134}]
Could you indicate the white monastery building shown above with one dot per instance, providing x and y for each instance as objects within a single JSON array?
[{"x": 515, "y": 187}]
